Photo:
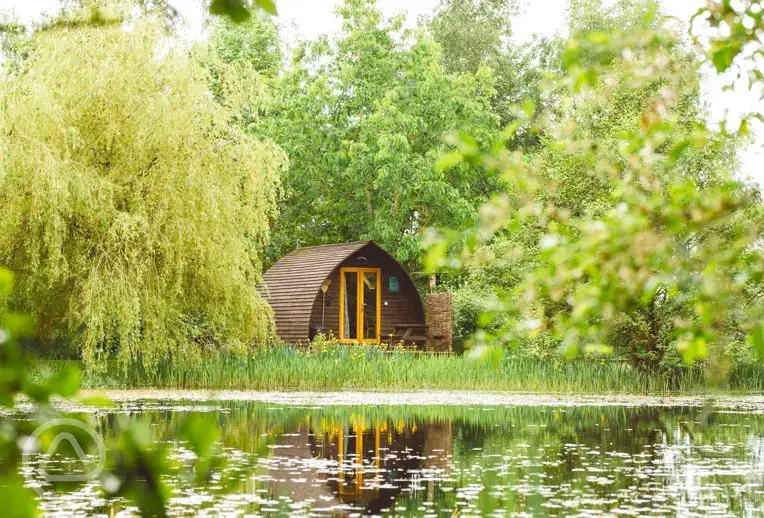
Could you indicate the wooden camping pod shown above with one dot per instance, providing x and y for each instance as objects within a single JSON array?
[{"x": 293, "y": 289}]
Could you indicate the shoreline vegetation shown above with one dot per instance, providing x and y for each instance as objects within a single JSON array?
[{"x": 346, "y": 367}]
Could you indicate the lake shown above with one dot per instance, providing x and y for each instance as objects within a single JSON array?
[{"x": 439, "y": 454}]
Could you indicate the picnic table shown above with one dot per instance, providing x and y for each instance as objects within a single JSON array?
[{"x": 408, "y": 333}]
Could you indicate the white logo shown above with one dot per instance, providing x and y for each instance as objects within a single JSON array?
[{"x": 88, "y": 467}]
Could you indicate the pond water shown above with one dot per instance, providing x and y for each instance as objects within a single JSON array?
[{"x": 523, "y": 456}]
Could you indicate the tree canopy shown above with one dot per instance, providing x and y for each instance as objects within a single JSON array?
[
  {"x": 626, "y": 230},
  {"x": 133, "y": 211},
  {"x": 362, "y": 119}
]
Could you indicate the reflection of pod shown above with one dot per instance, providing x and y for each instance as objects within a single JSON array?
[{"x": 368, "y": 475}]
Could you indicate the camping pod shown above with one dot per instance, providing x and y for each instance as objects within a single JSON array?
[{"x": 357, "y": 292}]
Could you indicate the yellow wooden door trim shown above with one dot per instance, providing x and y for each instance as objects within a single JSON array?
[
  {"x": 359, "y": 303},
  {"x": 341, "y": 333},
  {"x": 379, "y": 305}
]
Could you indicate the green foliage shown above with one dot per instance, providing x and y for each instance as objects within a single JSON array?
[
  {"x": 135, "y": 469},
  {"x": 255, "y": 43},
  {"x": 475, "y": 300},
  {"x": 476, "y": 33},
  {"x": 134, "y": 213},
  {"x": 736, "y": 35},
  {"x": 242, "y": 61},
  {"x": 344, "y": 367},
  {"x": 471, "y": 33},
  {"x": 135, "y": 465},
  {"x": 362, "y": 119},
  {"x": 12, "y": 381},
  {"x": 236, "y": 10},
  {"x": 241, "y": 10},
  {"x": 633, "y": 230}
]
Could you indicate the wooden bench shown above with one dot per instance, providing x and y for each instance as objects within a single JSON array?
[{"x": 408, "y": 333}]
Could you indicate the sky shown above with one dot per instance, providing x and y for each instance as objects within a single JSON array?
[{"x": 306, "y": 19}]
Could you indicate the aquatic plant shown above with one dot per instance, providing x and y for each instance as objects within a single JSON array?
[{"x": 334, "y": 366}]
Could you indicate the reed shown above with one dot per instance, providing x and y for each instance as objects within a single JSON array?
[{"x": 342, "y": 367}]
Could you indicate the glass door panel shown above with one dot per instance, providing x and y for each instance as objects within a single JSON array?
[
  {"x": 350, "y": 305},
  {"x": 360, "y": 304},
  {"x": 370, "y": 290}
]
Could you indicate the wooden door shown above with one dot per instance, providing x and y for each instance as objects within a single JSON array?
[{"x": 360, "y": 304}]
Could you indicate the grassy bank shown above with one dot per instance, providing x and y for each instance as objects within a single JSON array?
[{"x": 338, "y": 368}]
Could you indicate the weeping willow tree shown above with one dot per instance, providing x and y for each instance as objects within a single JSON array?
[{"x": 131, "y": 210}]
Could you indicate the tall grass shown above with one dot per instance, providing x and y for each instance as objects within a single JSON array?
[{"x": 345, "y": 367}]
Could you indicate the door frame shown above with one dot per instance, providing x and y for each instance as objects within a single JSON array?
[{"x": 359, "y": 306}]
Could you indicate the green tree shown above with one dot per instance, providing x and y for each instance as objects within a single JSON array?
[
  {"x": 133, "y": 212},
  {"x": 472, "y": 33},
  {"x": 626, "y": 229},
  {"x": 255, "y": 42},
  {"x": 475, "y": 33},
  {"x": 242, "y": 61},
  {"x": 363, "y": 119}
]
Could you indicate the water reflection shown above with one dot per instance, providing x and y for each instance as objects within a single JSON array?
[
  {"x": 377, "y": 463},
  {"x": 431, "y": 460}
]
